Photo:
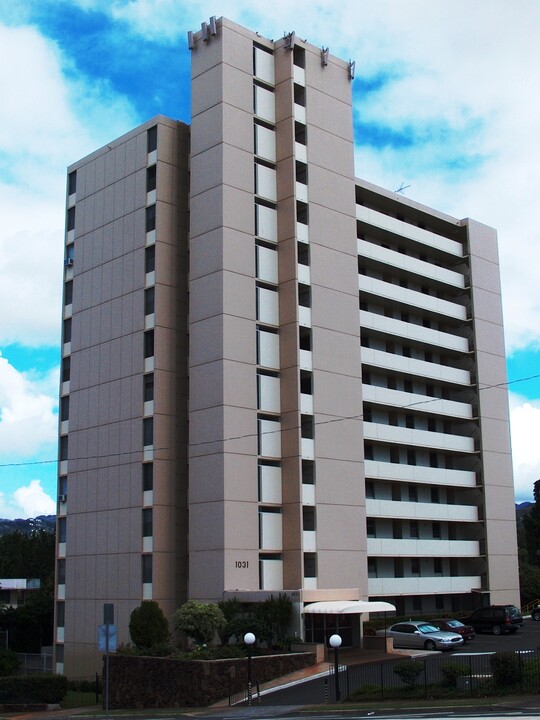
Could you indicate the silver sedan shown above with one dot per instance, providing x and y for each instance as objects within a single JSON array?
[{"x": 421, "y": 635}]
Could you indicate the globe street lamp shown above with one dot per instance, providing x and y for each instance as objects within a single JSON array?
[
  {"x": 249, "y": 639},
  {"x": 335, "y": 642}
]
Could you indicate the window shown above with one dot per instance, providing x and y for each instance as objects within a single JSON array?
[
  {"x": 437, "y": 566},
  {"x": 413, "y": 526},
  {"x": 64, "y": 447},
  {"x": 147, "y": 477},
  {"x": 310, "y": 565},
  {"x": 308, "y": 472},
  {"x": 62, "y": 485},
  {"x": 302, "y": 212},
  {"x": 372, "y": 567},
  {"x": 370, "y": 527},
  {"x": 146, "y": 568},
  {"x": 411, "y": 457},
  {"x": 148, "y": 431},
  {"x": 415, "y": 566},
  {"x": 64, "y": 408},
  {"x": 413, "y": 493},
  {"x": 368, "y": 452},
  {"x": 147, "y": 524},
  {"x": 308, "y": 518},
  {"x": 368, "y": 415},
  {"x": 370, "y": 489},
  {"x": 148, "y": 387},
  {"x": 149, "y": 343},
  {"x": 62, "y": 530},
  {"x": 436, "y": 530},
  {"x": 151, "y": 178},
  {"x": 150, "y": 259},
  {"x": 307, "y": 427},
  {"x": 435, "y": 496},
  {"x": 66, "y": 369},
  {"x": 68, "y": 293},
  {"x": 151, "y": 139},
  {"x": 61, "y": 571},
  {"x": 149, "y": 300},
  {"x": 72, "y": 182},
  {"x": 60, "y": 614},
  {"x": 70, "y": 224},
  {"x": 409, "y": 421},
  {"x": 67, "y": 330},
  {"x": 150, "y": 218}
]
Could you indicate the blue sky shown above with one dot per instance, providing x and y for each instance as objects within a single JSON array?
[{"x": 438, "y": 107}]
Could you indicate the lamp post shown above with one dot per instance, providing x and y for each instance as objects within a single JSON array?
[
  {"x": 249, "y": 639},
  {"x": 335, "y": 642}
]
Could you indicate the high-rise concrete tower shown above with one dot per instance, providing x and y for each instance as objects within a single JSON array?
[{"x": 275, "y": 377}]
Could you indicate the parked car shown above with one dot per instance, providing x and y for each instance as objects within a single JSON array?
[
  {"x": 495, "y": 619},
  {"x": 421, "y": 634},
  {"x": 535, "y": 613},
  {"x": 453, "y": 625}
]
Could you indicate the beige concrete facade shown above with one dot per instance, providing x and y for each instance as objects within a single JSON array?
[{"x": 276, "y": 377}]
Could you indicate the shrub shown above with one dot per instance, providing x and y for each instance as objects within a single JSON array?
[
  {"x": 9, "y": 662},
  {"x": 452, "y": 671},
  {"x": 506, "y": 668},
  {"x": 200, "y": 621},
  {"x": 408, "y": 671},
  {"x": 148, "y": 626},
  {"x": 43, "y": 688}
]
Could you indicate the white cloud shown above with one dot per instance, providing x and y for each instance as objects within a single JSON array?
[
  {"x": 47, "y": 121},
  {"x": 26, "y": 502},
  {"x": 28, "y": 419},
  {"x": 525, "y": 428}
]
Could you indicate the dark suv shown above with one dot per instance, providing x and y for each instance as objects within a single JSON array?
[{"x": 496, "y": 619}]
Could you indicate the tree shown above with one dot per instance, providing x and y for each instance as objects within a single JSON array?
[
  {"x": 529, "y": 582},
  {"x": 531, "y": 527},
  {"x": 277, "y": 613},
  {"x": 148, "y": 626},
  {"x": 200, "y": 621}
]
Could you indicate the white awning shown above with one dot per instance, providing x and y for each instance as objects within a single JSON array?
[{"x": 347, "y": 607}]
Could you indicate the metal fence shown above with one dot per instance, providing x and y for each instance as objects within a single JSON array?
[
  {"x": 34, "y": 663},
  {"x": 463, "y": 674},
  {"x": 241, "y": 694}
]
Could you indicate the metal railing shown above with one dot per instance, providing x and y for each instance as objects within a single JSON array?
[
  {"x": 526, "y": 610},
  {"x": 240, "y": 693}
]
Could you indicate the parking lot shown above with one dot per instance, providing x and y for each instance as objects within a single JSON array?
[{"x": 526, "y": 638}]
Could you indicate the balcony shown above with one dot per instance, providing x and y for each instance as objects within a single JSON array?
[
  {"x": 306, "y": 360},
  {"x": 421, "y": 511},
  {"x": 304, "y": 316},
  {"x": 411, "y": 547},
  {"x": 309, "y": 541},
  {"x": 424, "y": 270},
  {"x": 375, "y": 469},
  {"x": 418, "y": 438},
  {"x": 306, "y": 404},
  {"x": 411, "y": 298},
  {"x": 422, "y": 585},
  {"x": 308, "y": 448},
  {"x": 397, "y": 398},
  {"x": 406, "y": 230},
  {"x": 413, "y": 332},
  {"x": 410, "y": 366}
]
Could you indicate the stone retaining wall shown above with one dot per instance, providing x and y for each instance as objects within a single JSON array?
[{"x": 148, "y": 682}]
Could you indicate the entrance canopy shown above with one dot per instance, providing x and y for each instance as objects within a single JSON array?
[{"x": 347, "y": 607}]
